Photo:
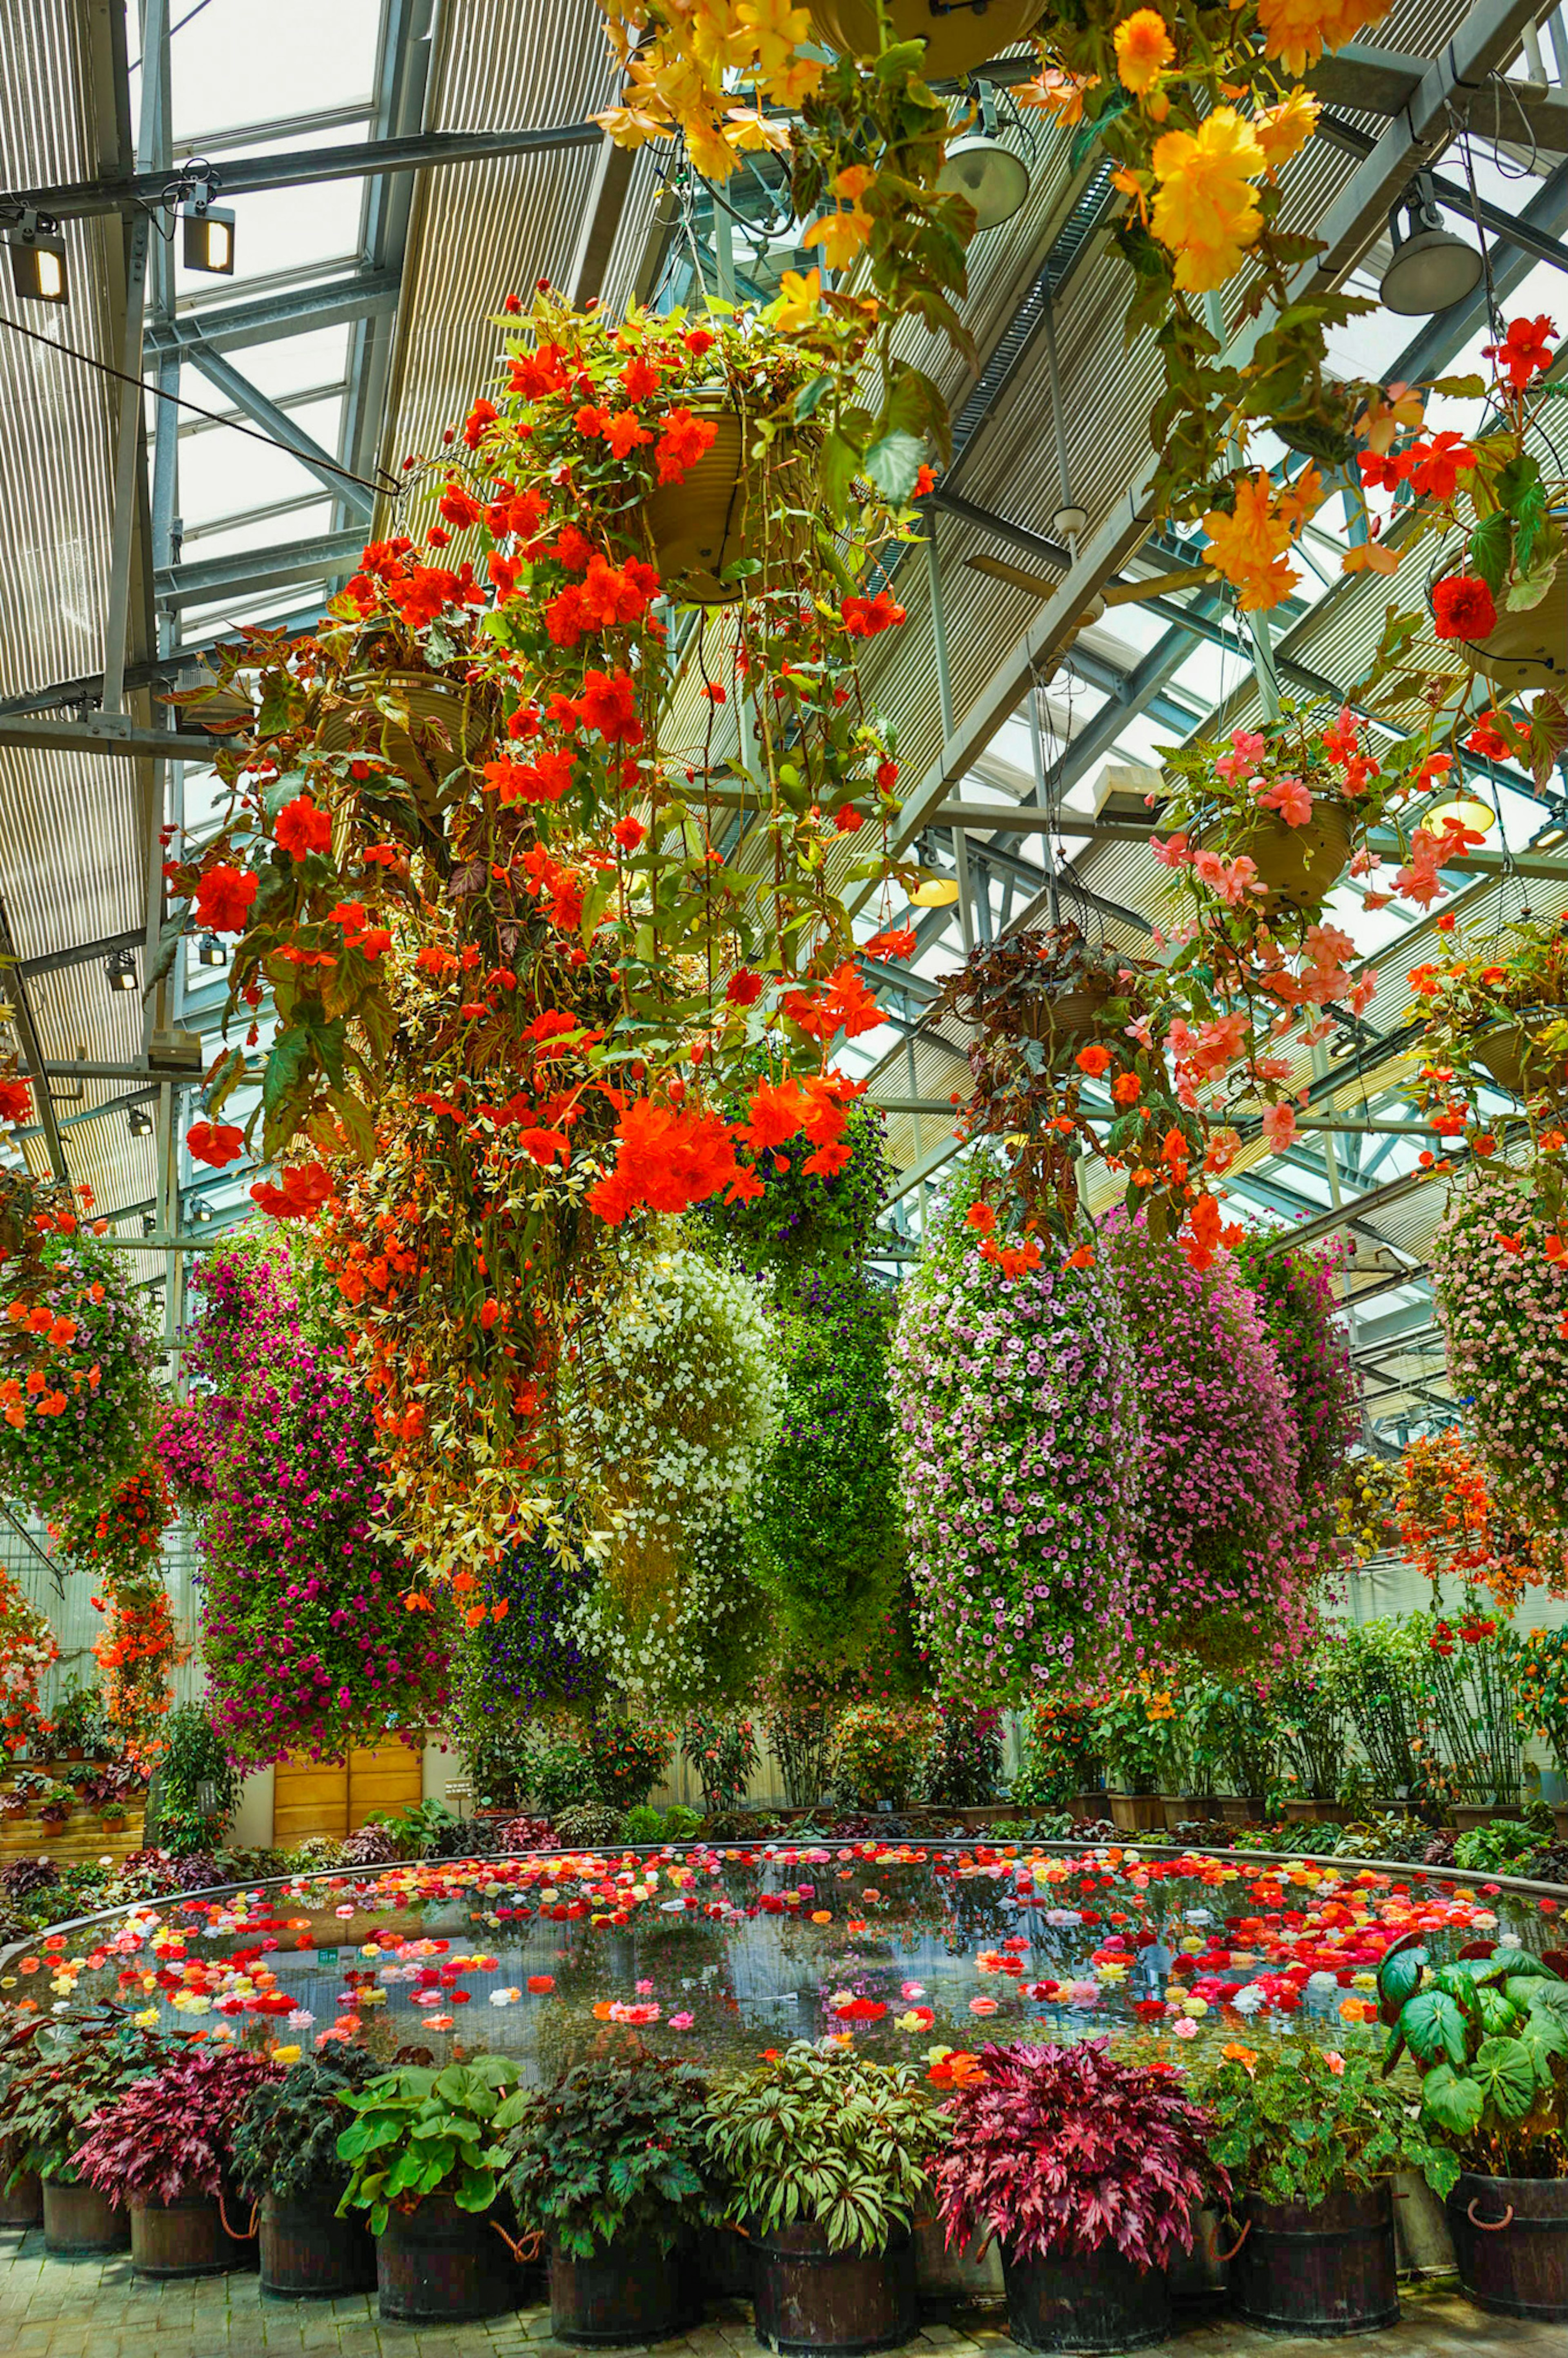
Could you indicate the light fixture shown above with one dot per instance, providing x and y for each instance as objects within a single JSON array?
[
  {"x": 37, "y": 260},
  {"x": 201, "y": 1212},
  {"x": 139, "y": 1122},
  {"x": 120, "y": 969},
  {"x": 994, "y": 179},
  {"x": 1463, "y": 810},
  {"x": 935, "y": 891},
  {"x": 149, "y": 1224},
  {"x": 1430, "y": 269},
  {"x": 209, "y": 951},
  {"x": 209, "y": 239}
]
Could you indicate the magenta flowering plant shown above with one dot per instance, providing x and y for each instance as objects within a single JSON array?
[
  {"x": 307, "y": 1643},
  {"x": 169, "y": 2134},
  {"x": 1294, "y": 1290},
  {"x": 1018, "y": 1437},
  {"x": 183, "y": 1446},
  {"x": 1224, "y": 1564},
  {"x": 1500, "y": 1276},
  {"x": 1059, "y": 2150}
]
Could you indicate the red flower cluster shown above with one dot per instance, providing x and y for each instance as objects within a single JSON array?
[{"x": 1463, "y": 607}]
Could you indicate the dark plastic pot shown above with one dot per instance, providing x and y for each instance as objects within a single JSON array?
[
  {"x": 1510, "y": 2238},
  {"x": 811, "y": 2299},
  {"x": 23, "y": 2205},
  {"x": 1098, "y": 2302},
  {"x": 309, "y": 2254},
  {"x": 439, "y": 2263},
  {"x": 80, "y": 2222},
  {"x": 630, "y": 2291},
  {"x": 187, "y": 2238},
  {"x": 724, "y": 2263},
  {"x": 1323, "y": 2269}
]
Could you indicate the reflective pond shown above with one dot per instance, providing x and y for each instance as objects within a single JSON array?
[{"x": 720, "y": 1954}]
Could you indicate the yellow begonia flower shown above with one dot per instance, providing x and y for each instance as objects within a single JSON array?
[
  {"x": 1205, "y": 210},
  {"x": 286, "y": 2054},
  {"x": 1143, "y": 51},
  {"x": 147, "y": 2019},
  {"x": 1247, "y": 547},
  {"x": 840, "y": 235},
  {"x": 1195, "y": 2008},
  {"x": 1283, "y": 131},
  {"x": 1298, "y": 31}
]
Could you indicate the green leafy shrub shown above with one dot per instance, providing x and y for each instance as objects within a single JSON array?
[
  {"x": 832, "y": 2140},
  {"x": 589, "y": 1827},
  {"x": 879, "y": 1750},
  {"x": 618, "y": 2146},
  {"x": 71, "y": 2071},
  {"x": 196, "y": 1787},
  {"x": 1490, "y": 2035},
  {"x": 645, "y": 1824},
  {"x": 1505, "y": 1848},
  {"x": 286, "y": 2140},
  {"x": 1300, "y": 2123},
  {"x": 419, "y": 2132}
]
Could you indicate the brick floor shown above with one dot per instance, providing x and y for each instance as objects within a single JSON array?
[{"x": 97, "y": 2308}]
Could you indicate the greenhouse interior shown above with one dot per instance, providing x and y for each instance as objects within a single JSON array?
[{"x": 783, "y": 1176}]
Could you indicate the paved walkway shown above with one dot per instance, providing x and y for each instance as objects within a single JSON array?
[{"x": 97, "y": 2308}]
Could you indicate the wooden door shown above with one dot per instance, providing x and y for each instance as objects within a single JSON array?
[{"x": 334, "y": 1797}]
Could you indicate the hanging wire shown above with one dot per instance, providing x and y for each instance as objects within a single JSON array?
[{"x": 388, "y": 487}]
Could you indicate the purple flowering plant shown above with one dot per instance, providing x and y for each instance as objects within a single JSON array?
[
  {"x": 308, "y": 1645},
  {"x": 1503, "y": 1305},
  {"x": 1018, "y": 1437}
]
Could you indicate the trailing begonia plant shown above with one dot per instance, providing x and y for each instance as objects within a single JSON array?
[
  {"x": 1452, "y": 1527},
  {"x": 1495, "y": 1014},
  {"x": 829, "y": 2139},
  {"x": 1294, "y": 1290},
  {"x": 170, "y": 2133},
  {"x": 28, "y": 1648},
  {"x": 471, "y": 852},
  {"x": 1298, "y": 2124},
  {"x": 75, "y": 1424},
  {"x": 1059, "y": 2151},
  {"x": 120, "y": 1540},
  {"x": 1019, "y": 1439},
  {"x": 1499, "y": 1263}
]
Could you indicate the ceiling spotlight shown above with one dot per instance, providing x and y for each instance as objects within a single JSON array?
[
  {"x": 139, "y": 1122},
  {"x": 209, "y": 951},
  {"x": 1464, "y": 810},
  {"x": 1431, "y": 269},
  {"x": 209, "y": 231},
  {"x": 149, "y": 1224},
  {"x": 935, "y": 891},
  {"x": 201, "y": 1212},
  {"x": 120, "y": 970},
  {"x": 37, "y": 260},
  {"x": 994, "y": 179}
]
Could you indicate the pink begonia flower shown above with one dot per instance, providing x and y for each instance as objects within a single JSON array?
[
  {"x": 1279, "y": 1126},
  {"x": 1185, "y": 2029},
  {"x": 681, "y": 2021},
  {"x": 1291, "y": 798},
  {"x": 1173, "y": 852}
]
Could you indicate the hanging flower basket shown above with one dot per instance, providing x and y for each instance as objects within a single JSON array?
[
  {"x": 958, "y": 34},
  {"x": 726, "y": 509},
  {"x": 468, "y": 716},
  {"x": 1529, "y": 650},
  {"x": 1069, "y": 1017},
  {"x": 1300, "y": 865},
  {"x": 1517, "y": 1056}
]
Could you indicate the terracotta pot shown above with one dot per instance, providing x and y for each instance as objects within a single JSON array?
[
  {"x": 1137, "y": 1813},
  {"x": 1527, "y": 651},
  {"x": 1300, "y": 865},
  {"x": 1509, "y": 1051},
  {"x": 720, "y": 514},
  {"x": 956, "y": 41}
]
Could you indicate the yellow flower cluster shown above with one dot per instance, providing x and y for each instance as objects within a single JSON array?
[
  {"x": 1247, "y": 543},
  {"x": 687, "y": 61}
]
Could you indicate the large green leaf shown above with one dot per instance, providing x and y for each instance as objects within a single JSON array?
[
  {"x": 1433, "y": 2025},
  {"x": 1454, "y": 2105},
  {"x": 1505, "y": 2073},
  {"x": 1399, "y": 1975},
  {"x": 894, "y": 463},
  {"x": 1499, "y": 2014}
]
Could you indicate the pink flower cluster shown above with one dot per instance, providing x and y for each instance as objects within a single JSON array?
[
  {"x": 307, "y": 1645},
  {"x": 1504, "y": 1309}
]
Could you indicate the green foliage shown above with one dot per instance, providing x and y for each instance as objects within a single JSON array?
[
  {"x": 809, "y": 1224},
  {"x": 71, "y": 2069},
  {"x": 196, "y": 1787},
  {"x": 824, "y": 1540},
  {"x": 286, "y": 2140},
  {"x": 617, "y": 2145},
  {"x": 1491, "y": 2033},
  {"x": 418, "y": 2132},
  {"x": 416, "y": 1827},
  {"x": 1233, "y": 1735},
  {"x": 830, "y": 2139},
  {"x": 1505, "y": 1848},
  {"x": 879, "y": 1750},
  {"x": 1300, "y": 2124}
]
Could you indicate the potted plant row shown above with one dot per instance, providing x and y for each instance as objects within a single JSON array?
[
  {"x": 72, "y": 2072},
  {"x": 162, "y": 2151}
]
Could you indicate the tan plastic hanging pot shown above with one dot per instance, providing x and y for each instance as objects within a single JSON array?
[
  {"x": 469, "y": 719},
  {"x": 1299, "y": 866},
  {"x": 958, "y": 34},
  {"x": 1530, "y": 650},
  {"x": 725, "y": 510},
  {"x": 1515, "y": 1055}
]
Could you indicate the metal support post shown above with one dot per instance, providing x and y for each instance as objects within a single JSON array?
[
  {"x": 1042, "y": 797},
  {"x": 1263, "y": 664},
  {"x": 945, "y": 705},
  {"x": 130, "y": 423}
]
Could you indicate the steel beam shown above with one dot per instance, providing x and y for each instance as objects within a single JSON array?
[
  {"x": 305, "y": 167},
  {"x": 32, "y": 1048},
  {"x": 56, "y": 961},
  {"x": 255, "y": 404},
  {"x": 229, "y": 327},
  {"x": 250, "y": 570},
  {"x": 101, "y": 735},
  {"x": 1515, "y": 227}
]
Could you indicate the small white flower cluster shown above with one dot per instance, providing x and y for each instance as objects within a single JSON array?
[{"x": 670, "y": 1411}]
